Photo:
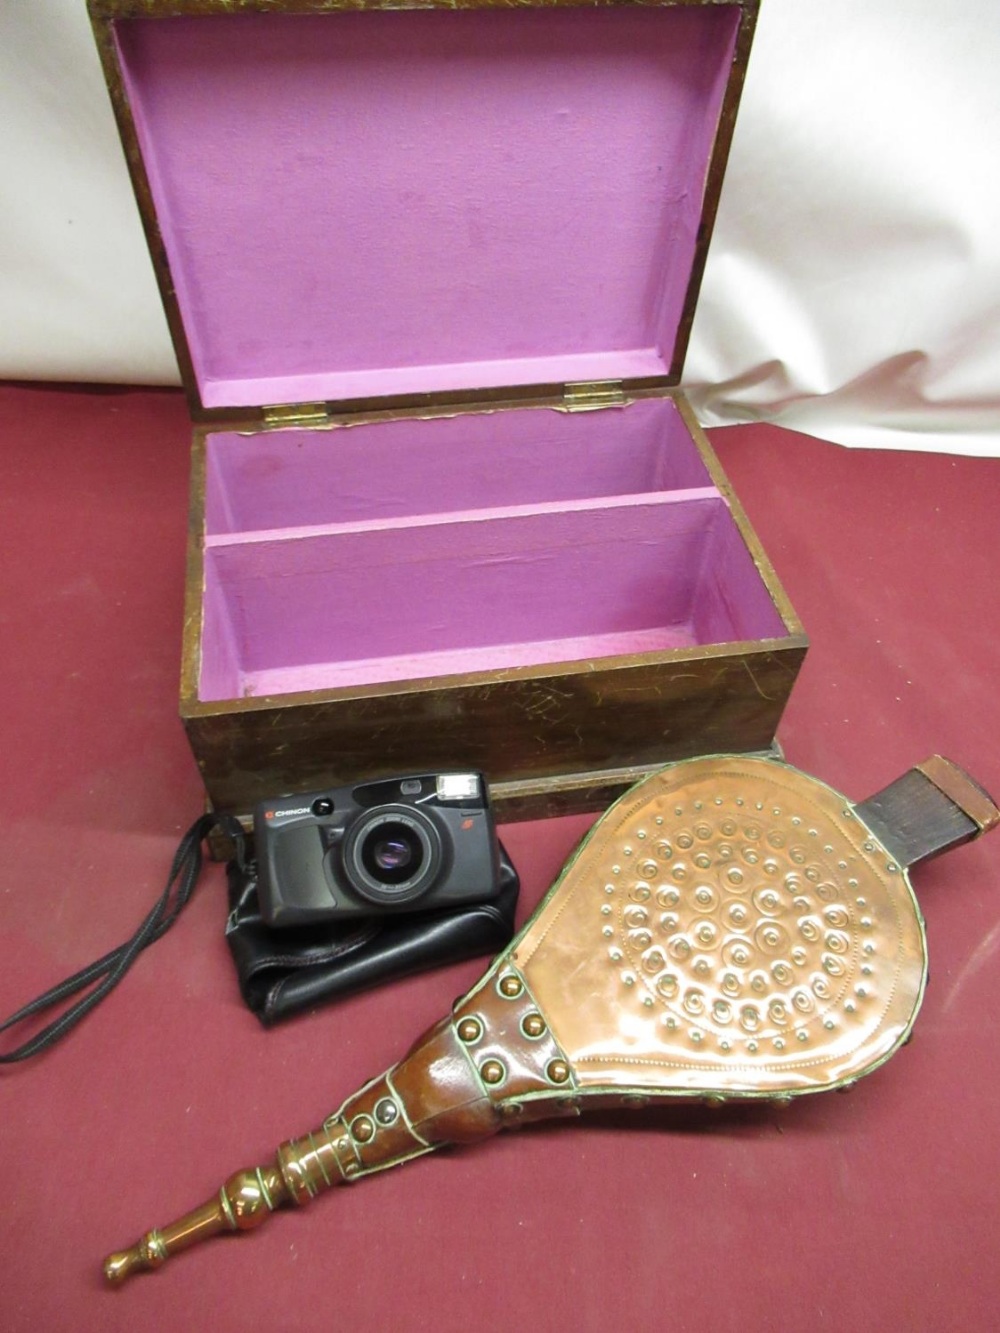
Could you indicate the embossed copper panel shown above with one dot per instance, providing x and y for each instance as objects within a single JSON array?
[{"x": 730, "y": 927}]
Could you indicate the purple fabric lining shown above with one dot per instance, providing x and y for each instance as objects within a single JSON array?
[
  {"x": 404, "y": 549},
  {"x": 387, "y": 202},
  {"x": 395, "y": 469},
  {"x": 474, "y": 592},
  {"x": 493, "y": 657}
]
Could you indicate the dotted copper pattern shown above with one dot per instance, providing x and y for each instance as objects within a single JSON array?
[
  {"x": 743, "y": 918},
  {"x": 746, "y": 922}
]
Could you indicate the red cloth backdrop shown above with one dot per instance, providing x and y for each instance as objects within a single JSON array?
[{"x": 872, "y": 1210}]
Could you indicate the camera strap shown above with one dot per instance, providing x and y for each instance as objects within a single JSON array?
[{"x": 106, "y": 972}]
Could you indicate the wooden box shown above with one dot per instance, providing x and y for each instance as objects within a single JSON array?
[{"x": 430, "y": 273}]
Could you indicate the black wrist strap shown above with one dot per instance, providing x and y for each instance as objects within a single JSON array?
[{"x": 109, "y": 970}]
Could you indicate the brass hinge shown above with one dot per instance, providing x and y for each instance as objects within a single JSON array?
[
  {"x": 589, "y": 395},
  {"x": 295, "y": 414}
]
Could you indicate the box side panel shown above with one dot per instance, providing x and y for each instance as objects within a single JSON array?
[
  {"x": 194, "y": 577},
  {"x": 744, "y": 528},
  {"x": 733, "y": 600},
  {"x": 632, "y": 714}
]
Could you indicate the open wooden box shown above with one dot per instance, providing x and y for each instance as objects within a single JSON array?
[{"x": 474, "y": 234}]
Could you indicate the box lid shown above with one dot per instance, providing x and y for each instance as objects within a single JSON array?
[{"x": 385, "y": 206}]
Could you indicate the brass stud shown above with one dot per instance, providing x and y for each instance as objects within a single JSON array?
[
  {"x": 511, "y": 986},
  {"x": 558, "y": 1071},
  {"x": 533, "y": 1025},
  {"x": 387, "y": 1112},
  {"x": 492, "y": 1072},
  {"x": 363, "y": 1129},
  {"x": 470, "y": 1030}
]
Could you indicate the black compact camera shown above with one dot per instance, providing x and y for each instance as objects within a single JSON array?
[{"x": 394, "y": 845}]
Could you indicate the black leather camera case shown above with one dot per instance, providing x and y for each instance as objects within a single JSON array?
[{"x": 284, "y": 972}]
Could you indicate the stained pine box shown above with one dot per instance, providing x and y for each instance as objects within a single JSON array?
[{"x": 430, "y": 274}]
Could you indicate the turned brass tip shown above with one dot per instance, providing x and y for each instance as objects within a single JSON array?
[{"x": 118, "y": 1266}]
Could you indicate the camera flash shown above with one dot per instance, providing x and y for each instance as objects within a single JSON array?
[{"x": 458, "y": 787}]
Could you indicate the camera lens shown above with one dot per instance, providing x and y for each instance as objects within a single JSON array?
[{"x": 392, "y": 855}]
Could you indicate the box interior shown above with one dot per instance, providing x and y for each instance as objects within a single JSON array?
[
  {"x": 382, "y": 203},
  {"x": 409, "y": 549},
  {"x": 358, "y": 204}
]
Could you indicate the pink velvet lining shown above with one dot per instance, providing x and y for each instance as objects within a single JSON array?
[
  {"x": 356, "y": 204},
  {"x": 357, "y": 606},
  {"x": 411, "y": 549},
  {"x": 479, "y": 460}
]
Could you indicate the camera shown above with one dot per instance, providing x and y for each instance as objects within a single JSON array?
[{"x": 393, "y": 845}]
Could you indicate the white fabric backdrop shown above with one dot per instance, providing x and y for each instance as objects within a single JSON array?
[{"x": 853, "y": 288}]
